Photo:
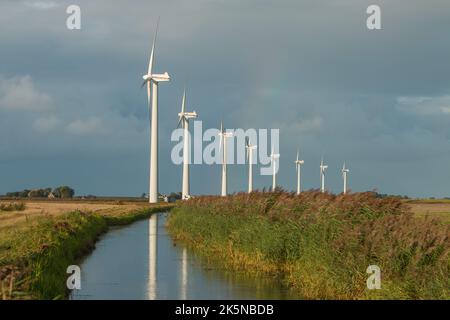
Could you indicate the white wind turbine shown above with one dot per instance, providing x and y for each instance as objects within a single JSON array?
[
  {"x": 152, "y": 81},
  {"x": 322, "y": 175},
  {"x": 184, "y": 120},
  {"x": 249, "y": 150},
  {"x": 298, "y": 165},
  {"x": 223, "y": 142},
  {"x": 273, "y": 158},
  {"x": 345, "y": 171}
]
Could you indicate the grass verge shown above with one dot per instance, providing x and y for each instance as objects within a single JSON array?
[
  {"x": 34, "y": 256},
  {"x": 321, "y": 244}
]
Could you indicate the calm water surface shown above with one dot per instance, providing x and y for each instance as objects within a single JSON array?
[{"x": 141, "y": 261}]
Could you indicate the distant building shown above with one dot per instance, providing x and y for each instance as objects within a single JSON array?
[{"x": 172, "y": 197}]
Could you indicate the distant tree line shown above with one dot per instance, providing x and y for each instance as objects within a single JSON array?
[
  {"x": 384, "y": 195},
  {"x": 62, "y": 192}
]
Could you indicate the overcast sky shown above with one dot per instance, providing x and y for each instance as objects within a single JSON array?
[{"x": 72, "y": 110}]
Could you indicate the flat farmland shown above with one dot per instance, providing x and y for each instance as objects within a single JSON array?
[
  {"x": 41, "y": 208},
  {"x": 430, "y": 208}
]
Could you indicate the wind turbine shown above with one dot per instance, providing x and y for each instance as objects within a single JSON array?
[
  {"x": 152, "y": 80},
  {"x": 249, "y": 150},
  {"x": 322, "y": 175},
  {"x": 344, "y": 176},
  {"x": 273, "y": 158},
  {"x": 223, "y": 142},
  {"x": 298, "y": 165},
  {"x": 184, "y": 120}
]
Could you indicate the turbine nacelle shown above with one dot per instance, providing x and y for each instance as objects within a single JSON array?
[
  {"x": 344, "y": 170},
  {"x": 187, "y": 115},
  {"x": 156, "y": 77}
]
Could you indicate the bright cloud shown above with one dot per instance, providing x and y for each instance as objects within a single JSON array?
[
  {"x": 89, "y": 126},
  {"x": 20, "y": 93},
  {"x": 425, "y": 105}
]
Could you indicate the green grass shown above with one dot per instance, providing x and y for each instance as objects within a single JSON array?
[
  {"x": 321, "y": 244},
  {"x": 37, "y": 255}
]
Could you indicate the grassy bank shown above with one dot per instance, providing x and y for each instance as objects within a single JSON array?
[
  {"x": 34, "y": 255},
  {"x": 321, "y": 244}
]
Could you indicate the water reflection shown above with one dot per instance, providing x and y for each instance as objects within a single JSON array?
[
  {"x": 152, "y": 256},
  {"x": 141, "y": 261},
  {"x": 184, "y": 275}
]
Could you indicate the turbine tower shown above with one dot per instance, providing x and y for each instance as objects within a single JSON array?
[
  {"x": 249, "y": 150},
  {"x": 184, "y": 120},
  {"x": 223, "y": 146},
  {"x": 298, "y": 165},
  {"x": 344, "y": 176},
  {"x": 273, "y": 158},
  {"x": 322, "y": 175},
  {"x": 152, "y": 80}
]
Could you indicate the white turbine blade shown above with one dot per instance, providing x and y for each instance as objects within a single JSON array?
[
  {"x": 297, "y": 155},
  {"x": 183, "y": 102},
  {"x": 179, "y": 121},
  {"x": 152, "y": 55}
]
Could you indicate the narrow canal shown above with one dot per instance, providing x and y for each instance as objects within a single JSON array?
[{"x": 141, "y": 261}]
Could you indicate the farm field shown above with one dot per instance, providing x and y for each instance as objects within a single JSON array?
[
  {"x": 48, "y": 208},
  {"x": 41, "y": 238},
  {"x": 430, "y": 208}
]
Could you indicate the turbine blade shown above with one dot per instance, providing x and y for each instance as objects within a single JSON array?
[
  {"x": 179, "y": 121},
  {"x": 152, "y": 55},
  {"x": 183, "y": 102},
  {"x": 297, "y": 155}
]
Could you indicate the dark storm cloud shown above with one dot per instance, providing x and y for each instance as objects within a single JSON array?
[{"x": 377, "y": 99}]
